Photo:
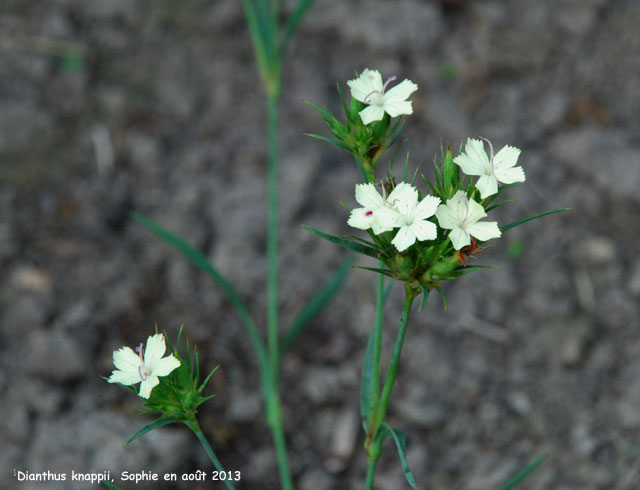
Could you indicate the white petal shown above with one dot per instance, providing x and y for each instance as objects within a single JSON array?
[
  {"x": 402, "y": 91},
  {"x": 125, "y": 377},
  {"x": 165, "y": 365},
  {"x": 487, "y": 185},
  {"x": 471, "y": 166},
  {"x": 506, "y": 157},
  {"x": 147, "y": 385},
  {"x": 404, "y": 239},
  {"x": 368, "y": 81},
  {"x": 404, "y": 197},
  {"x": 126, "y": 360},
  {"x": 475, "y": 212},
  {"x": 510, "y": 175},
  {"x": 424, "y": 230},
  {"x": 398, "y": 108},
  {"x": 368, "y": 196},
  {"x": 427, "y": 207},
  {"x": 459, "y": 238},
  {"x": 385, "y": 219},
  {"x": 155, "y": 349},
  {"x": 475, "y": 149},
  {"x": 372, "y": 113},
  {"x": 485, "y": 230},
  {"x": 361, "y": 218},
  {"x": 446, "y": 216}
]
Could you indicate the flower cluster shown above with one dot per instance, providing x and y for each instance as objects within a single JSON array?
[{"x": 420, "y": 239}]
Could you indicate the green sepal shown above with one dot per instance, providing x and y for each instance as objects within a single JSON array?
[
  {"x": 159, "y": 422},
  {"x": 386, "y": 272},
  {"x": 401, "y": 445},
  {"x": 425, "y": 295},
  {"x": 444, "y": 298},
  {"x": 517, "y": 479},
  {"x": 356, "y": 247}
]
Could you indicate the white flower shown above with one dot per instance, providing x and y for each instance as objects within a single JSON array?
[
  {"x": 461, "y": 215},
  {"x": 491, "y": 169},
  {"x": 368, "y": 89},
  {"x": 412, "y": 216},
  {"x": 376, "y": 212},
  {"x": 142, "y": 368}
]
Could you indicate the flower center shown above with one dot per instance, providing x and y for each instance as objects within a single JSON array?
[
  {"x": 466, "y": 214},
  {"x": 378, "y": 98},
  {"x": 142, "y": 369},
  {"x": 368, "y": 213},
  {"x": 489, "y": 171}
]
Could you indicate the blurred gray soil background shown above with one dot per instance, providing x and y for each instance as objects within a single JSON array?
[{"x": 163, "y": 113}]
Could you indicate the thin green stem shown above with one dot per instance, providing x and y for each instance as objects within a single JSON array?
[
  {"x": 195, "y": 427},
  {"x": 381, "y": 409},
  {"x": 274, "y": 406},
  {"x": 378, "y": 411},
  {"x": 272, "y": 239},
  {"x": 374, "y": 389}
]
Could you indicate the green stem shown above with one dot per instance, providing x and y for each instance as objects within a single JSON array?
[
  {"x": 195, "y": 427},
  {"x": 274, "y": 406},
  {"x": 379, "y": 409}
]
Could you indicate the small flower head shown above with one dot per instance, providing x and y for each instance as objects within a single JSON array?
[
  {"x": 412, "y": 216},
  {"x": 369, "y": 89},
  {"x": 375, "y": 212},
  {"x": 491, "y": 168},
  {"x": 144, "y": 367},
  {"x": 462, "y": 216}
]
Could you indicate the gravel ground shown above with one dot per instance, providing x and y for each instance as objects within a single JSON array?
[{"x": 165, "y": 115}]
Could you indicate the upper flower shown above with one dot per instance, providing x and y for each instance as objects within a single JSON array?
[
  {"x": 143, "y": 367},
  {"x": 491, "y": 168},
  {"x": 412, "y": 216},
  {"x": 461, "y": 215},
  {"x": 369, "y": 89}
]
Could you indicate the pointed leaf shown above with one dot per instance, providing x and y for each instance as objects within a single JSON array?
[
  {"x": 444, "y": 298},
  {"x": 423, "y": 300},
  {"x": 317, "y": 303},
  {"x": 161, "y": 422},
  {"x": 356, "y": 247},
  {"x": 398, "y": 437},
  {"x": 530, "y": 218},
  {"x": 293, "y": 21},
  {"x": 110, "y": 486},
  {"x": 516, "y": 480},
  {"x": 385, "y": 272},
  {"x": 202, "y": 263}
]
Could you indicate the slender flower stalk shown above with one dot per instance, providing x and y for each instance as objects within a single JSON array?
[{"x": 378, "y": 412}]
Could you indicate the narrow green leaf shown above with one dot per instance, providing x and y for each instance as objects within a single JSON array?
[
  {"x": 530, "y": 218},
  {"x": 516, "y": 480},
  {"x": 110, "y": 486},
  {"x": 200, "y": 261},
  {"x": 161, "y": 422},
  {"x": 385, "y": 272},
  {"x": 356, "y": 247},
  {"x": 317, "y": 303},
  {"x": 398, "y": 437},
  {"x": 498, "y": 204},
  {"x": 331, "y": 141},
  {"x": 293, "y": 21},
  {"x": 425, "y": 295},
  {"x": 367, "y": 376},
  {"x": 444, "y": 298},
  {"x": 362, "y": 240}
]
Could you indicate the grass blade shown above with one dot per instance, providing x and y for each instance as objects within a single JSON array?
[
  {"x": 516, "y": 480},
  {"x": 202, "y": 263},
  {"x": 317, "y": 303}
]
